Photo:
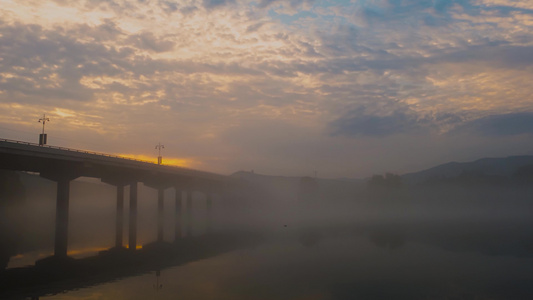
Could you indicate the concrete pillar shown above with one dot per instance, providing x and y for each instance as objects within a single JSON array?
[
  {"x": 119, "y": 220},
  {"x": 209, "y": 204},
  {"x": 160, "y": 214},
  {"x": 188, "y": 209},
  {"x": 177, "y": 216},
  {"x": 133, "y": 217},
  {"x": 61, "y": 233}
]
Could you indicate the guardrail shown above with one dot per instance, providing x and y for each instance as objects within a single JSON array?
[{"x": 75, "y": 150}]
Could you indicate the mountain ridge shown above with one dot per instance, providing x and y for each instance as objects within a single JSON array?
[{"x": 493, "y": 166}]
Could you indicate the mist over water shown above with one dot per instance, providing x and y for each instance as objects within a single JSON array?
[{"x": 319, "y": 239}]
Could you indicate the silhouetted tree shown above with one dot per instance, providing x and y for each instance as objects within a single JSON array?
[
  {"x": 385, "y": 187},
  {"x": 388, "y": 181}
]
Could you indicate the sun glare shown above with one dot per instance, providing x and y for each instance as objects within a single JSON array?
[{"x": 167, "y": 161}]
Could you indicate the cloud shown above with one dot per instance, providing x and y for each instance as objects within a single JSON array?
[
  {"x": 198, "y": 69},
  {"x": 359, "y": 122},
  {"x": 169, "y": 6},
  {"x": 500, "y": 125},
  {"x": 287, "y": 6},
  {"x": 254, "y": 27},
  {"x": 210, "y": 4},
  {"x": 498, "y": 53},
  {"x": 148, "y": 41},
  {"x": 506, "y": 3},
  {"x": 188, "y": 10}
]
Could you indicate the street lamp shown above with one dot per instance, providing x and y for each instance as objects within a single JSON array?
[
  {"x": 42, "y": 136},
  {"x": 159, "y": 158}
]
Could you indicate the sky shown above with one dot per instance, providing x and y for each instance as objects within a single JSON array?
[{"x": 346, "y": 88}]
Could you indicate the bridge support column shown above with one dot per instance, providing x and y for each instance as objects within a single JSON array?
[
  {"x": 119, "y": 221},
  {"x": 209, "y": 207},
  {"x": 177, "y": 215},
  {"x": 160, "y": 213},
  {"x": 133, "y": 217},
  {"x": 188, "y": 209},
  {"x": 62, "y": 203}
]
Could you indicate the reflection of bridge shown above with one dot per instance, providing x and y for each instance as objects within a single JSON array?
[
  {"x": 63, "y": 165},
  {"x": 46, "y": 279}
]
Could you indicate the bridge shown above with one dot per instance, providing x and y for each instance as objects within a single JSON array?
[{"x": 62, "y": 165}]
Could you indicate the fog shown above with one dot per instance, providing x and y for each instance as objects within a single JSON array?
[
  {"x": 463, "y": 214},
  {"x": 264, "y": 204}
]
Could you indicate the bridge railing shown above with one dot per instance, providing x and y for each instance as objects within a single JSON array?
[{"x": 75, "y": 150}]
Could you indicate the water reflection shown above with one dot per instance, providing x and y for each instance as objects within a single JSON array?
[
  {"x": 427, "y": 261},
  {"x": 310, "y": 237},
  {"x": 54, "y": 275},
  {"x": 388, "y": 239},
  {"x": 340, "y": 266},
  {"x": 157, "y": 285}
]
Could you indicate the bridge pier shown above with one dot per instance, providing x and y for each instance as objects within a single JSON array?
[
  {"x": 177, "y": 215},
  {"x": 209, "y": 204},
  {"x": 188, "y": 211},
  {"x": 132, "y": 240},
  {"x": 61, "y": 228},
  {"x": 119, "y": 220},
  {"x": 160, "y": 213},
  {"x": 62, "y": 175}
]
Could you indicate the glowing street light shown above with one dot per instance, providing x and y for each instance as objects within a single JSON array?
[
  {"x": 42, "y": 136},
  {"x": 159, "y": 158}
]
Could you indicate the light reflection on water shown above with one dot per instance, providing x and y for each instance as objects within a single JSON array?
[
  {"x": 29, "y": 258},
  {"x": 336, "y": 267}
]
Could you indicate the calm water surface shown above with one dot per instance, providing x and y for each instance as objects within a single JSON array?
[{"x": 380, "y": 263}]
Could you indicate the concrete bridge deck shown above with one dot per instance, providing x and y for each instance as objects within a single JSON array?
[{"x": 23, "y": 156}]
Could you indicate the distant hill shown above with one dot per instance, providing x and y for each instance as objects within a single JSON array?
[
  {"x": 286, "y": 188},
  {"x": 280, "y": 187},
  {"x": 484, "y": 171},
  {"x": 503, "y": 167}
]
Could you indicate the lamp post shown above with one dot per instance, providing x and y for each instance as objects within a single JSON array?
[
  {"x": 159, "y": 158},
  {"x": 42, "y": 136}
]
